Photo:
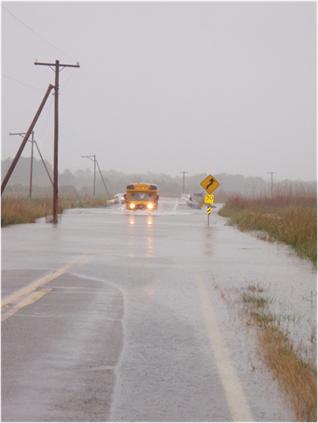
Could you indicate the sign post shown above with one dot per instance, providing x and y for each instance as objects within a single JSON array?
[
  {"x": 209, "y": 211},
  {"x": 210, "y": 184}
]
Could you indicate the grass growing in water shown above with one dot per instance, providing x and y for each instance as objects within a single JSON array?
[
  {"x": 296, "y": 377},
  {"x": 16, "y": 210},
  {"x": 253, "y": 299},
  {"x": 292, "y": 220}
]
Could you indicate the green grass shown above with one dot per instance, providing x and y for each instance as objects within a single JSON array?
[{"x": 293, "y": 222}]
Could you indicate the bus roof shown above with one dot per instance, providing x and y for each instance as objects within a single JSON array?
[{"x": 143, "y": 186}]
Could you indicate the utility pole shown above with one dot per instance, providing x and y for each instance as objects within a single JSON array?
[
  {"x": 183, "y": 180},
  {"x": 33, "y": 141},
  {"x": 21, "y": 134},
  {"x": 25, "y": 140},
  {"x": 31, "y": 165},
  {"x": 92, "y": 157},
  {"x": 102, "y": 178},
  {"x": 272, "y": 182},
  {"x": 56, "y": 67}
]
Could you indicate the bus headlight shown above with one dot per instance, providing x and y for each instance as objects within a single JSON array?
[
  {"x": 149, "y": 206},
  {"x": 132, "y": 205}
]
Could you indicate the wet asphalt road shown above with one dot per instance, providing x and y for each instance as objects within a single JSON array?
[{"x": 131, "y": 316}]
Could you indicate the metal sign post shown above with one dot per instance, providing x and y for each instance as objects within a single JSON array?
[
  {"x": 209, "y": 211},
  {"x": 210, "y": 184}
]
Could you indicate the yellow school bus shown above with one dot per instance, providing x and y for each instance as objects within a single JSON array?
[{"x": 141, "y": 196}]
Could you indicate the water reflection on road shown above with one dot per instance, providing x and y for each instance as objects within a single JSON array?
[{"x": 152, "y": 263}]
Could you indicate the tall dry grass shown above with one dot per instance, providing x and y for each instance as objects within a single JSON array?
[
  {"x": 297, "y": 378},
  {"x": 15, "y": 210},
  {"x": 289, "y": 219}
]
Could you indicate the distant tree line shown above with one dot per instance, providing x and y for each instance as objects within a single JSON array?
[{"x": 80, "y": 182}]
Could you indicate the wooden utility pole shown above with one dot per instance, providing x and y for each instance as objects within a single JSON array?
[
  {"x": 31, "y": 165},
  {"x": 184, "y": 172},
  {"x": 94, "y": 174},
  {"x": 56, "y": 67},
  {"x": 93, "y": 158},
  {"x": 272, "y": 182},
  {"x": 33, "y": 141},
  {"x": 21, "y": 134},
  {"x": 25, "y": 140}
]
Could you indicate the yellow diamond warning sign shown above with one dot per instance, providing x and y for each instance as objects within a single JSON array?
[{"x": 210, "y": 184}]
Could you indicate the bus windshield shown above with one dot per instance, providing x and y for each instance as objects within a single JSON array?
[{"x": 141, "y": 196}]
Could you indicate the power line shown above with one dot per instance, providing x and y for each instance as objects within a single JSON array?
[
  {"x": 56, "y": 67},
  {"x": 33, "y": 142},
  {"x": 92, "y": 157},
  {"x": 25, "y": 139},
  {"x": 33, "y": 87},
  {"x": 36, "y": 33},
  {"x": 103, "y": 180},
  {"x": 22, "y": 134},
  {"x": 26, "y": 84}
]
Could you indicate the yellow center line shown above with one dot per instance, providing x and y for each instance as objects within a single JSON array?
[
  {"x": 30, "y": 299},
  {"x": 233, "y": 390},
  {"x": 17, "y": 295}
]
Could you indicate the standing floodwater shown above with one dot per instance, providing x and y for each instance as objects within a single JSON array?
[{"x": 148, "y": 302}]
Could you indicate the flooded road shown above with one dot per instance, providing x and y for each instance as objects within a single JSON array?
[{"x": 129, "y": 316}]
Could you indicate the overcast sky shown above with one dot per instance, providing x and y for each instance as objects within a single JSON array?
[{"x": 164, "y": 87}]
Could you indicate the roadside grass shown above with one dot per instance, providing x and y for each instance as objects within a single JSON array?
[
  {"x": 292, "y": 220},
  {"x": 15, "y": 210},
  {"x": 297, "y": 377}
]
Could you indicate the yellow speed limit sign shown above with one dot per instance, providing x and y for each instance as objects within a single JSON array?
[
  {"x": 209, "y": 199},
  {"x": 209, "y": 183}
]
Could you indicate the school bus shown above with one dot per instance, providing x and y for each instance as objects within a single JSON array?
[{"x": 141, "y": 196}]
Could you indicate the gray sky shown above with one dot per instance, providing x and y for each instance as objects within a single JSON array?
[{"x": 163, "y": 87}]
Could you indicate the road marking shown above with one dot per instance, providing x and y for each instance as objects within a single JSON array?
[
  {"x": 22, "y": 297},
  {"x": 233, "y": 390},
  {"x": 32, "y": 298}
]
